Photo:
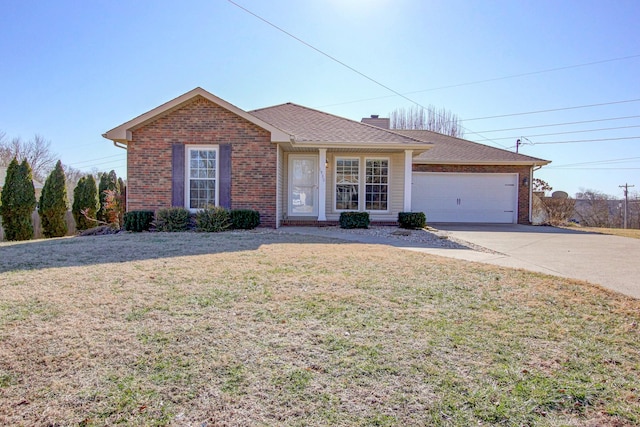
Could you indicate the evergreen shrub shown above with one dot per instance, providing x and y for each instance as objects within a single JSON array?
[
  {"x": 85, "y": 198},
  {"x": 53, "y": 204},
  {"x": 354, "y": 220},
  {"x": 172, "y": 219},
  {"x": 138, "y": 221},
  {"x": 212, "y": 219},
  {"x": 17, "y": 202},
  {"x": 244, "y": 219},
  {"x": 412, "y": 220}
]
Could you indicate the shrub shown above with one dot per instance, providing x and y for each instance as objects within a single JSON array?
[
  {"x": 244, "y": 219},
  {"x": 85, "y": 199},
  {"x": 109, "y": 194},
  {"x": 412, "y": 219},
  {"x": 354, "y": 220},
  {"x": 18, "y": 200},
  {"x": 138, "y": 221},
  {"x": 53, "y": 204},
  {"x": 172, "y": 219},
  {"x": 212, "y": 219}
]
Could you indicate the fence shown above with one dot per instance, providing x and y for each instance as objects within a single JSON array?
[{"x": 37, "y": 227}]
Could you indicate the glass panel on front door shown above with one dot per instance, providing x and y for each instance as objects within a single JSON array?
[{"x": 303, "y": 186}]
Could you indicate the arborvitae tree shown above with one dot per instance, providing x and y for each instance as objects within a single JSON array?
[
  {"x": 53, "y": 204},
  {"x": 18, "y": 202},
  {"x": 108, "y": 181},
  {"x": 85, "y": 198}
]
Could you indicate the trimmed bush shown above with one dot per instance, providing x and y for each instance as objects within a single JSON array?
[
  {"x": 212, "y": 219},
  {"x": 244, "y": 219},
  {"x": 354, "y": 220},
  {"x": 412, "y": 219},
  {"x": 85, "y": 198},
  {"x": 138, "y": 221},
  {"x": 172, "y": 219},
  {"x": 53, "y": 204},
  {"x": 17, "y": 202}
]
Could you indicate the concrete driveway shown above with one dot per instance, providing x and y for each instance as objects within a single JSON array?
[{"x": 609, "y": 261}]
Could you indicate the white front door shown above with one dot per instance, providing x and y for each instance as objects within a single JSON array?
[{"x": 303, "y": 185}]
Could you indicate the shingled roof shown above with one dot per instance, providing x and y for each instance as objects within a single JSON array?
[
  {"x": 450, "y": 150},
  {"x": 309, "y": 125}
]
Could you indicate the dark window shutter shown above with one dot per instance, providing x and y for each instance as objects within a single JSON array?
[
  {"x": 177, "y": 175},
  {"x": 224, "y": 174}
]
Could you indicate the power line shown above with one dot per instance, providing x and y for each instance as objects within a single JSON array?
[
  {"x": 346, "y": 65},
  {"x": 598, "y": 169},
  {"x": 559, "y": 124},
  {"x": 587, "y": 140},
  {"x": 621, "y": 160},
  {"x": 568, "y": 132},
  {"x": 553, "y": 109},
  {"x": 99, "y": 158},
  {"x": 512, "y": 76}
]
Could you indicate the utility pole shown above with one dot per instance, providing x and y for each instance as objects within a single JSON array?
[{"x": 626, "y": 201}]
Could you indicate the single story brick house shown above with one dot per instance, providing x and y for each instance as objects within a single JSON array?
[{"x": 296, "y": 165}]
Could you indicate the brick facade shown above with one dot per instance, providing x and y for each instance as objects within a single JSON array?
[
  {"x": 253, "y": 157},
  {"x": 522, "y": 171}
]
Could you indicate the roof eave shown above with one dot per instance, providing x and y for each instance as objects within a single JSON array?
[
  {"x": 421, "y": 147},
  {"x": 484, "y": 162},
  {"x": 123, "y": 134}
]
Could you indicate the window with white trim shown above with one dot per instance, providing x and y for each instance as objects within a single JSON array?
[
  {"x": 347, "y": 183},
  {"x": 374, "y": 187},
  {"x": 377, "y": 187},
  {"x": 202, "y": 176}
]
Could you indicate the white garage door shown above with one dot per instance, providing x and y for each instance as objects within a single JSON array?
[{"x": 466, "y": 197}]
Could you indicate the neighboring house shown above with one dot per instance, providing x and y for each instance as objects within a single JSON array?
[
  {"x": 36, "y": 185},
  {"x": 296, "y": 165}
]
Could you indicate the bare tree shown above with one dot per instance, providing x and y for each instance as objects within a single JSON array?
[
  {"x": 431, "y": 118},
  {"x": 37, "y": 152},
  {"x": 596, "y": 209}
]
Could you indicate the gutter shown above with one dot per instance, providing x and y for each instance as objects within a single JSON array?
[{"x": 115, "y": 143}]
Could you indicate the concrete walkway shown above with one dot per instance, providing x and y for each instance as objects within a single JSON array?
[{"x": 609, "y": 261}]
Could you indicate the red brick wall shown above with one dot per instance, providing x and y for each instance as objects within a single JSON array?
[
  {"x": 253, "y": 157},
  {"x": 522, "y": 171}
]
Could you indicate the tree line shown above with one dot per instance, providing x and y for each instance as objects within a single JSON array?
[{"x": 93, "y": 203}]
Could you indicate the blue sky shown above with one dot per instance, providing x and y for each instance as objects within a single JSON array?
[{"x": 71, "y": 70}]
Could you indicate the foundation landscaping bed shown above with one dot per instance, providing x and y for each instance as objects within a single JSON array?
[{"x": 271, "y": 328}]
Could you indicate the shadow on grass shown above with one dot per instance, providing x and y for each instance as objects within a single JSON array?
[{"x": 126, "y": 247}]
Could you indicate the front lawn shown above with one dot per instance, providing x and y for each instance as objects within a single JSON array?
[{"x": 261, "y": 328}]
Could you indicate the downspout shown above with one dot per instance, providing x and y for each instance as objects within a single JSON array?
[
  {"x": 531, "y": 170},
  {"x": 115, "y": 143}
]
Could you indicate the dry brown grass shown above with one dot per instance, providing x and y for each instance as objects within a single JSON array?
[
  {"x": 632, "y": 233},
  {"x": 264, "y": 329}
]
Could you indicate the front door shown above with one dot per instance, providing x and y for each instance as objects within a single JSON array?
[{"x": 303, "y": 185}]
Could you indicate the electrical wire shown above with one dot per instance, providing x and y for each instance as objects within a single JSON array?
[
  {"x": 568, "y": 132},
  {"x": 475, "y": 82},
  {"x": 553, "y": 109},
  {"x": 602, "y": 162},
  {"x": 346, "y": 65},
  {"x": 587, "y": 140},
  {"x": 123, "y": 156},
  {"x": 559, "y": 124}
]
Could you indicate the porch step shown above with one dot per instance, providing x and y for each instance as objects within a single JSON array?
[{"x": 315, "y": 223}]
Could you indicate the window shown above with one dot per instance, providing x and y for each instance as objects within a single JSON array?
[
  {"x": 375, "y": 186},
  {"x": 347, "y": 183},
  {"x": 377, "y": 176},
  {"x": 202, "y": 176}
]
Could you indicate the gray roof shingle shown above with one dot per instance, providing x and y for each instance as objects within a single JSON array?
[
  {"x": 309, "y": 125},
  {"x": 449, "y": 149}
]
